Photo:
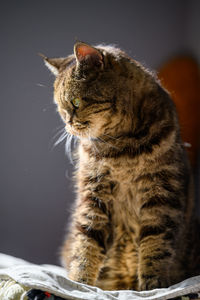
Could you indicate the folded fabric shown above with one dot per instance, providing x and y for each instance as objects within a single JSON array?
[{"x": 22, "y": 280}]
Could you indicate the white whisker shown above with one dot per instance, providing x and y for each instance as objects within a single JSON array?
[
  {"x": 89, "y": 137},
  {"x": 58, "y": 131},
  {"x": 41, "y": 85},
  {"x": 55, "y": 140},
  {"x": 70, "y": 145},
  {"x": 112, "y": 137},
  {"x": 105, "y": 142},
  {"x": 70, "y": 142},
  {"x": 61, "y": 138}
]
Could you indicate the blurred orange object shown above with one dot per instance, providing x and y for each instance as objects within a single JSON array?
[{"x": 181, "y": 78}]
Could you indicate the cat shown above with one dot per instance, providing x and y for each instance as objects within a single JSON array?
[{"x": 133, "y": 225}]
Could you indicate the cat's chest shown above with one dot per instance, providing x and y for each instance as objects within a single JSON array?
[
  {"x": 125, "y": 203},
  {"x": 120, "y": 174}
]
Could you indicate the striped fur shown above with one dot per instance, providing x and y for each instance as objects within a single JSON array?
[{"x": 133, "y": 224}]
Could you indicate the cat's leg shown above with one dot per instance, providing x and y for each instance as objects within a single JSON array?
[
  {"x": 157, "y": 249},
  {"x": 161, "y": 226},
  {"x": 90, "y": 231},
  {"x": 120, "y": 269}
]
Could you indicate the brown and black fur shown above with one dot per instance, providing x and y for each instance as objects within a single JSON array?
[{"x": 133, "y": 225}]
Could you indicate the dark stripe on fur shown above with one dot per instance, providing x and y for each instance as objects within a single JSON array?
[
  {"x": 97, "y": 235},
  {"x": 171, "y": 201},
  {"x": 163, "y": 175},
  {"x": 144, "y": 190},
  {"x": 169, "y": 235},
  {"x": 96, "y": 202},
  {"x": 132, "y": 151},
  {"x": 162, "y": 178},
  {"x": 148, "y": 276},
  {"x": 100, "y": 110},
  {"x": 150, "y": 230},
  {"x": 156, "y": 139},
  {"x": 169, "y": 222},
  {"x": 104, "y": 273},
  {"x": 163, "y": 255},
  {"x": 100, "y": 204},
  {"x": 94, "y": 179}
]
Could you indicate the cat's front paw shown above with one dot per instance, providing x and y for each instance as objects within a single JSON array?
[
  {"x": 81, "y": 277},
  {"x": 152, "y": 283}
]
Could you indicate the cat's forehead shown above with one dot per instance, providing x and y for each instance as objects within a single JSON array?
[
  {"x": 75, "y": 87},
  {"x": 67, "y": 87}
]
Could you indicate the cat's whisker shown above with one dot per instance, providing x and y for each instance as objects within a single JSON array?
[
  {"x": 71, "y": 143},
  {"x": 68, "y": 147},
  {"x": 41, "y": 85},
  {"x": 55, "y": 140},
  {"x": 112, "y": 137},
  {"x": 105, "y": 142},
  {"x": 59, "y": 130},
  {"x": 61, "y": 138},
  {"x": 90, "y": 138},
  {"x": 96, "y": 148}
]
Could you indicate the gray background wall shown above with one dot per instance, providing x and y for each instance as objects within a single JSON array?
[{"x": 35, "y": 186}]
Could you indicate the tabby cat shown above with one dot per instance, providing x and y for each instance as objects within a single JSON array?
[{"x": 133, "y": 225}]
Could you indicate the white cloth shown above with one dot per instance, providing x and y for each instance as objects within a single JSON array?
[{"x": 53, "y": 279}]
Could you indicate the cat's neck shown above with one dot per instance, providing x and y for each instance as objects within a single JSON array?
[
  {"x": 111, "y": 146},
  {"x": 131, "y": 144}
]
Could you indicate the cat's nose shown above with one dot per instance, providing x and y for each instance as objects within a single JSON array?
[{"x": 70, "y": 122}]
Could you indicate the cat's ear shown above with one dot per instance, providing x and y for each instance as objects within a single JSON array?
[
  {"x": 87, "y": 55},
  {"x": 55, "y": 65}
]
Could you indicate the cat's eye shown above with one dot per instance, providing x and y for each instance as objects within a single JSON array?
[{"x": 76, "y": 102}]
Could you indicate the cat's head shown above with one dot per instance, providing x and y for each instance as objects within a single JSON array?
[{"x": 92, "y": 90}]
